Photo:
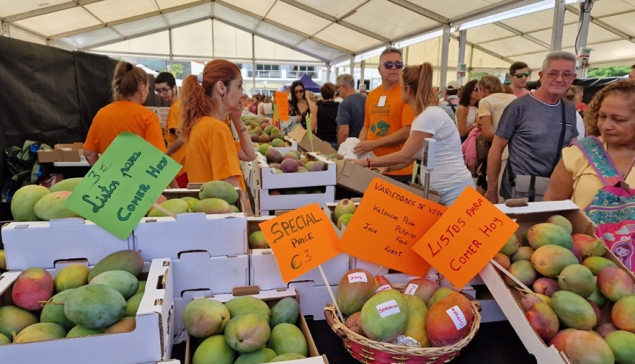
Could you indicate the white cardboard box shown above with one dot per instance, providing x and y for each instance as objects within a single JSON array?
[
  {"x": 265, "y": 274},
  {"x": 508, "y": 299},
  {"x": 197, "y": 270},
  {"x": 313, "y": 297},
  {"x": 42, "y": 243},
  {"x": 271, "y": 297},
  {"x": 269, "y": 180},
  {"x": 151, "y": 341},
  {"x": 268, "y": 203},
  {"x": 219, "y": 235}
]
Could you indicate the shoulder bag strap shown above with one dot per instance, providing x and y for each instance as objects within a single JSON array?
[
  {"x": 595, "y": 153},
  {"x": 563, "y": 131}
]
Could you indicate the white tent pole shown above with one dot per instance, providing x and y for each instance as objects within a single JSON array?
[
  {"x": 445, "y": 54},
  {"x": 581, "y": 40},
  {"x": 462, "y": 44},
  {"x": 253, "y": 64},
  {"x": 362, "y": 68},
  {"x": 328, "y": 71},
  {"x": 353, "y": 66},
  {"x": 558, "y": 25},
  {"x": 171, "y": 59}
]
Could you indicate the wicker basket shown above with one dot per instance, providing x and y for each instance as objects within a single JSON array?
[{"x": 370, "y": 351}]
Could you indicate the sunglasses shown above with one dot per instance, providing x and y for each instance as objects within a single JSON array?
[
  {"x": 298, "y": 91},
  {"x": 521, "y": 75},
  {"x": 390, "y": 64}
]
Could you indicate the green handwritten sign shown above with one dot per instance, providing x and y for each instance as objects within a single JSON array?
[{"x": 123, "y": 184}]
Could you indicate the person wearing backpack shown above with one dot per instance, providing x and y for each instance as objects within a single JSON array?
[{"x": 596, "y": 171}]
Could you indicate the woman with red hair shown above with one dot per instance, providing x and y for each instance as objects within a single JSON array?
[{"x": 206, "y": 101}]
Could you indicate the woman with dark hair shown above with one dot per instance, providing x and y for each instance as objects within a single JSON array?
[
  {"x": 323, "y": 115},
  {"x": 126, "y": 113},
  {"x": 451, "y": 176},
  {"x": 300, "y": 105},
  {"x": 466, "y": 112},
  {"x": 206, "y": 102}
]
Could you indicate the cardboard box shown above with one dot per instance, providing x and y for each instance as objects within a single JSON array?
[
  {"x": 269, "y": 180},
  {"x": 268, "y": 203},
  {"x": 42, "y": 243},
  {"x": 314, "y": 297},
  {"x": 357, "y": 178},
  {"x": 329, "y": 209},
  {"x": 218, "y": 235},
  {"x": 151, "y": 341},
  {"x": 62, "y": 153},
  {"x": 271, "y": 298},
  {"x": 508, "y": 298},
  {"x": 300, "y": 135},
  {"x": 199, "y": 270},
  {"x": 264, "y": 272}
]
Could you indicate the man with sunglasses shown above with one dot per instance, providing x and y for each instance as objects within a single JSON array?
[
  {"x": 387, "y": 118},
  {"x": 519, "y": 74},
  {"x": 165, "y": 87},
  {"x": 536, "y": 127}
]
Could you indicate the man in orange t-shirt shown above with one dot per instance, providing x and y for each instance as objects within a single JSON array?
[
  {"x": 165, "y": 87},
  {"x": 388, "y": 119}
]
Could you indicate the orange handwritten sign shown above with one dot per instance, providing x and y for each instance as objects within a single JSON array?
[
  {"x": 387, "y": 223},
  {"x": 468, "y": 236},
  {"x": 282, "y": 104},
  {"x": 301, "y": 240}
]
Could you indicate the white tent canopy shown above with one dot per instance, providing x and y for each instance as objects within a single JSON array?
[{"x": 320, "y": 31}]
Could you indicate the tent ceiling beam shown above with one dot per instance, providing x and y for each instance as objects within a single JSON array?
[
  {"x": 521, "y": 34},
  {"x": 282, "y": 26},
  {"x": 142, "y": 34},
  {"x": 128, "y": 20},
  {"x": 484, "y": 50},
  {"x": 185, "y": 57},
  {"x": 335, "y": 20},
  {"x": 48, "y": 10},
  {"x": 421, "y": 11},
  {"x": 271, "y": 39},
  {"x": 12, "y": 25},
  {"x": 492, "y": 10},
  {"x": 603, "y": 25}
]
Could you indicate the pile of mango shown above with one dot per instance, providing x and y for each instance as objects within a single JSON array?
[
  {"x": 419, "y": 317},
  {"x": 215, "y": 197},
  {"x": 245, "y": 330},
  {"x": 77, "y": 302},
  {"x": 33, "y": 203},
  {"x": 343, "y": 212},
  {"x": 581, "y": 302}
]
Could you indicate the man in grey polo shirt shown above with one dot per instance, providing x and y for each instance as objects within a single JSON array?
[
  {"x": 531, "y": 125},
  {"x": 350, "y": 114}
]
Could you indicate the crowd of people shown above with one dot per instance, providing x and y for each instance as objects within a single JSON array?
[{"x": 504, "y": 140}]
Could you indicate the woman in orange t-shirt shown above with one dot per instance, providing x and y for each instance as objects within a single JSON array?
[
  {"x": 126, "y": 113},
  {"x": 206, "y": 101}
]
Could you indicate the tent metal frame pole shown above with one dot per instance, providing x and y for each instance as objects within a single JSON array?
[
  {"x": 171, "y": 60},
  {"x": 558, "y": 24},
  {"x": 253, "y": 64},
  {"x": 445, "y": 55},
  {"x": 353, "y": 66},
  {"x": 461, "y": 60},
  {"x": 362, "y": 68},
  {"x": 583, "y": 34},
  {"x": 5, "y": 29},
  {"x": 328, "y": 71}
]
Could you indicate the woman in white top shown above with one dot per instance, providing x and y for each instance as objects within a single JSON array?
[
  {"x": 450, "y": 176},
  {"x": 466, "y": 112},
  {"x": 266, "y": 107}
]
